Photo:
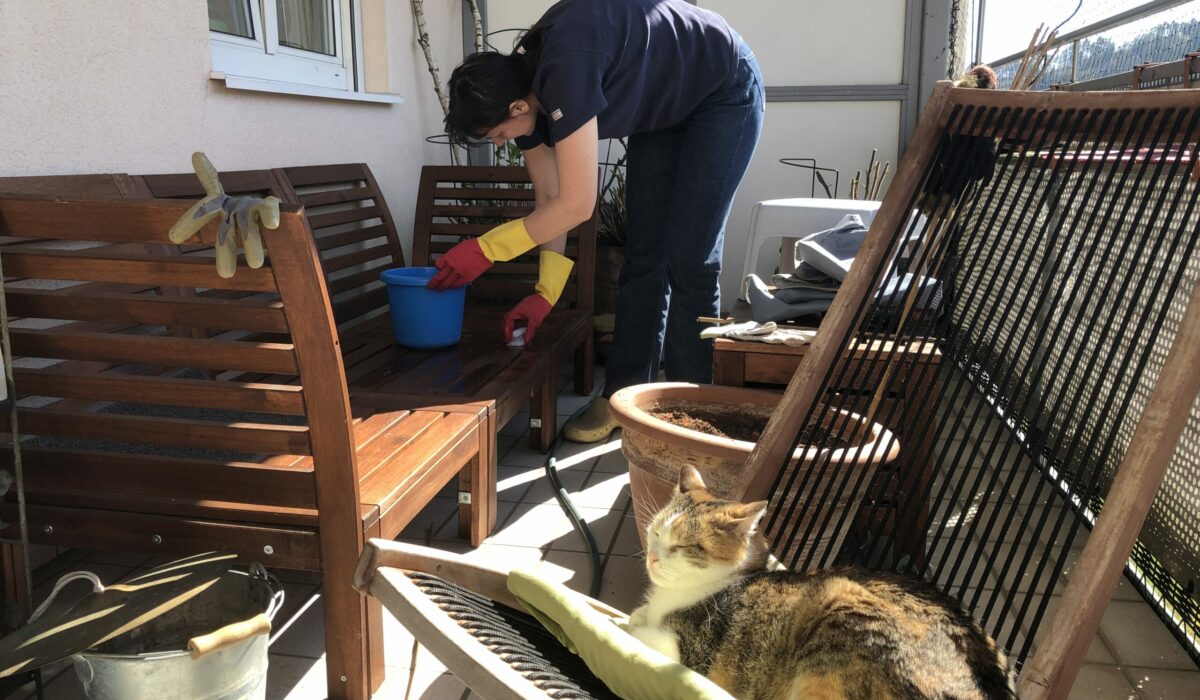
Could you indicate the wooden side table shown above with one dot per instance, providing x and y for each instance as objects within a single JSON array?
[{"x": 900, "y": 493}]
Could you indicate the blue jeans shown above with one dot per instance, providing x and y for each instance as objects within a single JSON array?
[{"x": 680, "y": 184}]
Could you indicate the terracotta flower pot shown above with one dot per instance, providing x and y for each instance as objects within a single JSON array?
[{"x": 657, "y": 449}]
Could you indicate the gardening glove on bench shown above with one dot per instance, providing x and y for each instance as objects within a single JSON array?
[
  {"x": 470, "y": 259},
  {"x": 241, "y": 219},
  {"x": 553, "y": 271}
]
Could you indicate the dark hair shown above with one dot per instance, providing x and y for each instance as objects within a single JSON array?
[{"x": 485, "y": 84}]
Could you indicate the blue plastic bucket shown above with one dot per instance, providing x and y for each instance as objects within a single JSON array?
[{"x": 423, "y": 317}]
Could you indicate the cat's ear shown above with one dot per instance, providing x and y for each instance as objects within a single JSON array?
[
  {"x": 689, "y": 479},
  {"x": 746, "y": 516}
]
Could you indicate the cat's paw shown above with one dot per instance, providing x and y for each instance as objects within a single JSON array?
[
  {"x": 640, "y": 617},
  {"x": 660, "y": 639}
]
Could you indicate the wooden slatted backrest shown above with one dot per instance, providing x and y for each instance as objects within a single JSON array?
[
  {"x": 118, "y": 412},
  {"x": 354, "y": 233},
  {"x": 455, "y": 203},
  {"x": 236, "y": 182},
  {"x": 98, "y": 185}
]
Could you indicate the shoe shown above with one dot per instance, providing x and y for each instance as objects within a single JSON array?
[{"x": 593, "y": 425}]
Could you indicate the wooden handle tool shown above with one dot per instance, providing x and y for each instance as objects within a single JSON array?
[{"x": 229, "y": 635}]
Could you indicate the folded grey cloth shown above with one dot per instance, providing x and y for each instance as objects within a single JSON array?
[
  {"x": 786, "y": 304},
  {"x": 832, "y": 251},
  {"x": 805, "y": 277},
  {"x": 767, "y": 306}
]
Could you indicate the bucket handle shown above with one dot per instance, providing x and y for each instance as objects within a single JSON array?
[
  {"x": 229, "y": 635},
  {"x": 97, "y": 587},
  {"x": 237, "y": 632},
  {"x": 260, "y": 572}
]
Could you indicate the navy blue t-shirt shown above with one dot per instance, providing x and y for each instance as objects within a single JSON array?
[{"x": 636, "y": 65}]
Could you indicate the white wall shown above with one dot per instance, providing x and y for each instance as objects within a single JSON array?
[
  {"x": 814, "y": 42},
  {"x": 123, "y": 86},
  {"x": 820, "y": 42}
]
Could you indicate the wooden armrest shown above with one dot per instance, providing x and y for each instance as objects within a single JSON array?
[
  {"x": 484, "y": 580},
  {"x": 487, "y": 581}
]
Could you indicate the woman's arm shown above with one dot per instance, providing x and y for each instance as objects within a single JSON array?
[
  {"x": 543, "y": 171},
  {"x": 559, "y": 209},
  {"x": 571, "y": 202}
]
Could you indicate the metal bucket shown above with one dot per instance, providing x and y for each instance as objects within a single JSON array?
[{"x": 151, "y": 661}]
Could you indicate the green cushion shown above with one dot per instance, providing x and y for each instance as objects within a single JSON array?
[{"x": 629, "y": 668}]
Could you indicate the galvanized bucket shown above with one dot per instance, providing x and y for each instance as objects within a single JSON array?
[{"x": 152, "y": 661}]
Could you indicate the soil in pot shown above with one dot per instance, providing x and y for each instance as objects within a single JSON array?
[{"x": 736, "y": 425}]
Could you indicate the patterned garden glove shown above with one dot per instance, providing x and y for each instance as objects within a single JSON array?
[
  {"x": 464, "y": 262},
  {"x": 553, "y": 271},
  {"x": 240, "y": 219}
]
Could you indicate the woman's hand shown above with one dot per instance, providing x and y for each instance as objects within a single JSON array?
[
  {"x": 554, "y": 270},
  {"x": 460, "y": 265},
  {"x": 533, "y": 309},
  {"x": 470, "y": 259}
]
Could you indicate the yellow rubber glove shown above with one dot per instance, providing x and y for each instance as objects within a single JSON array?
[
  {"x": 506, "y": 241},
  {"x": 470, "y": 259},
  {"x": 553, "y": 272}
]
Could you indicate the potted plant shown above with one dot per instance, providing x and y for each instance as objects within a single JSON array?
[{"x": 714, "y": 428}]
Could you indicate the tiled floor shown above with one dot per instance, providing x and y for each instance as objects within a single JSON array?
[{"x": 1133, "y": 656}]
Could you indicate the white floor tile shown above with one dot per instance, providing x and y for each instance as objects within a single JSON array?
[
  {"x": 1139, "y": 638},
  {"x": 626, "y": 543},
  {"x": 294, "y": 678},
  {"x": 624, "y": 584},
  {"x": 538, "y": 525},
  {"x": 1156, "y": 684},
  {"x": 513, "y": 482},
  {"x": 305, "y": 636},
  {"x": 541, "y": 490},
  {"x": 603, "y": 490},
  {"x": 1097, "y": 682},
  {"x": 613, "y": 461}
]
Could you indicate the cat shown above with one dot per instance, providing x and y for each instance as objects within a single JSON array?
[{"x": 714, "y": 606}]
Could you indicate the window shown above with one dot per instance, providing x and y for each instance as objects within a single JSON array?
[{"x": 310, "y": 47}]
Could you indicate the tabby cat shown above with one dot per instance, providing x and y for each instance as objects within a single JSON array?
[{"x": 714, "y": 606}]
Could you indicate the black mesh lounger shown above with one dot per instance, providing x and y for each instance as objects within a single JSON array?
[{"x": 464, "y": 614}]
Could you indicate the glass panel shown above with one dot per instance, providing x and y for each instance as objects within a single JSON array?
[
  {"x": 307, "y": 25},
  {"x": 230, "y": 17}
]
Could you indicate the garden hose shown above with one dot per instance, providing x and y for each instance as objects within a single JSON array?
[{"x": 564, "y": 500}]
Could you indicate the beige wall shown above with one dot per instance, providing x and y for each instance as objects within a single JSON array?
[{"x": 123, "y": 85}]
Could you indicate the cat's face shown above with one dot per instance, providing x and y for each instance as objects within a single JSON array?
[{"x": 697, "y": 538}]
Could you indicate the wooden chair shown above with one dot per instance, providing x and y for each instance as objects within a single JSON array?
[{"x": 135, "y": 439}]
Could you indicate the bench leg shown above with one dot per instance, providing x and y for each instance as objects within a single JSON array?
[
  {"x": 375, "y": 659},
  {"x": 543, "y": 407},
  {"x": 477, "y": 519},
  {"x": 12, "y": 578},
  {"x": 349, "y": 632},
  {"x": 585, "y": 370}
]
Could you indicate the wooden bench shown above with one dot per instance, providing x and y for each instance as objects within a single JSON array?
[
  {"x": 357, "y": 239},
  {"x": 134, "y": 437}
]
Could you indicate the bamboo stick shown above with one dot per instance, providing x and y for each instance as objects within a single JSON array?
[
  {"x": 418, "y": 8},
  {"x": 477, "y": 18}
]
